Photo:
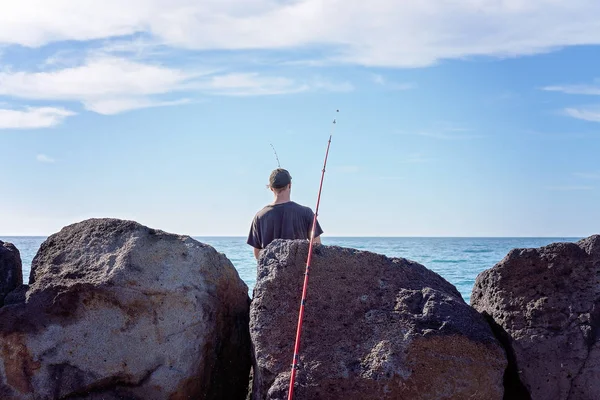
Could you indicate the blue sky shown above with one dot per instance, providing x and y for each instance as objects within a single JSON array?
[{"x": 465, "y": 118}]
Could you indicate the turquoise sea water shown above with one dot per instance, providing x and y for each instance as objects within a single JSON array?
[{"x": 458, "y": 260}]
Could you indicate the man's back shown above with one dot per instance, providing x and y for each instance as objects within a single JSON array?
[{"x": 287, "y": 220}]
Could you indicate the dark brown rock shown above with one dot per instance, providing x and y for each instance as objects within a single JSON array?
[
  {"x": 116, "y": 310},
  {"x": 19, "y": 295},
  {"x": 374, "y": 328},
  {"x": 11, "y": 271},
  {"x": 548, "y": 302}
]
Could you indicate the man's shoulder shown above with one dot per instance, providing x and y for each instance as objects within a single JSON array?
[
  {"x": 301, "y": 208},
  {"x": 263, "y": 211},
  {"x": 290, "y": 205}
]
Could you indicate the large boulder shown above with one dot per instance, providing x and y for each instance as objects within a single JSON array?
[
  {"x": 374, "y": 328},
  {"x": 547, "y": 300},
  {"x": 11, "y": 272},
  {"x": 116, "y": 310}
]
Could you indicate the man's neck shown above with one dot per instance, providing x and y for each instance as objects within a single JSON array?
[{"x": 282, "y": 198}]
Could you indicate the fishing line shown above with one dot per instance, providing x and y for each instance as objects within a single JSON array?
[{"x": 276, "y": 157}]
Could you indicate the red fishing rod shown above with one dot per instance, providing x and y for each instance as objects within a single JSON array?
[{"x": 296, "y": 358}]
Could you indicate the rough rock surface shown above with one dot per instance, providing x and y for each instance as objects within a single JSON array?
[
  {"x": 11, "y": 273},
  {"x": 374, "y": 328},
  {"x": 116, "y": 310},
  {"x": 548, "y": 301}
]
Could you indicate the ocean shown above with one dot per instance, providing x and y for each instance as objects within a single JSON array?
[{"x": 458, "y": 260}]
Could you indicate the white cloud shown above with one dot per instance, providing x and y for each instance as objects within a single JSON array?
[
  {"x": 416, "y": 158},
  {"x": 140, "y": 47},
  {"x": 593, "y": 90},
  {"x": 444, "y": 131},
  {"x": 570, "y": 188},
  {"x": 250, "y": 84},
  {"x": 380, "y": 80},
  {"x": 119, "y": 105},
  {"x": 588, "y": 175},
  {"x": 560, "y": 134},
  {"x": 255, "y": 84},
  {"x": 107, "y": 85},
  {"x": 33, "y": 117},
  {"x": 379, "y": 32},
  {"x": 448, "y": 135},
  {"x": 587, "y": 113},
  {"x": 329, "y": 86},
  {"x": 110, "y": 85},
  {"x": 96, "y": 79},
  {"x": 44, "y": 159},
  {"x": 137, "y": 39}
]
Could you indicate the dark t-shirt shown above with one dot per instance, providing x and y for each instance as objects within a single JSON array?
[{"x": 282, "y": 221}]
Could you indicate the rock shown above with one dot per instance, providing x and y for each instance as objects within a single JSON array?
[
  {"x": 548, "y": 302},
  {"x": 116, "y": 310},
  {"x": 19, "y": 295},
  {"x": 374, "y": 328},
  {"x": 11, "y": 272}
]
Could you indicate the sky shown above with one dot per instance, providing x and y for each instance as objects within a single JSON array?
[{"x": 456, "y": 118}]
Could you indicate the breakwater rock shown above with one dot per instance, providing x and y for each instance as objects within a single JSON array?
[
  {"x": 374, "y": 328},
  {"x": 11, "y": 274},
  {"x": 115, "y": 310},
  {"x": 547, "y": 301}
]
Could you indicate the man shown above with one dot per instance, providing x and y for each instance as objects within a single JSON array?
[{"x": 283, "y": 219}]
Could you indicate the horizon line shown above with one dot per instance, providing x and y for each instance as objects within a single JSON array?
[{"x": 361, "y": 237}]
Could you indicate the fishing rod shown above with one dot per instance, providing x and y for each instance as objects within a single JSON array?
[
  {"x": 276, "y": 156},
  {"x": 296, "y": 358}
]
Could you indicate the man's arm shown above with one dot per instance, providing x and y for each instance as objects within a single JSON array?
[
  {"x": 254, "y": 237},
  {"x": 318, "y": 232}
]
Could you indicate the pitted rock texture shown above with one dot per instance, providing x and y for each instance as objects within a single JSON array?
[
  {"x": 116, "y": 310},
  {"x": 374, "y": 328},
  {"x": 548, "y": 301},
  {"x": 11, "y": 272}
]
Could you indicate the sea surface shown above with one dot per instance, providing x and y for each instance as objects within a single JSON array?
[{"x": 458, "y": 260}]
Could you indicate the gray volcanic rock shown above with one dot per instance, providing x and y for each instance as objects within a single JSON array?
[
  {"x": 548, "y": 301},
  {"x": 11, "y": 272},
  {"x": 374, "y": 328},
  {"x": 116, "y": 310}
]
